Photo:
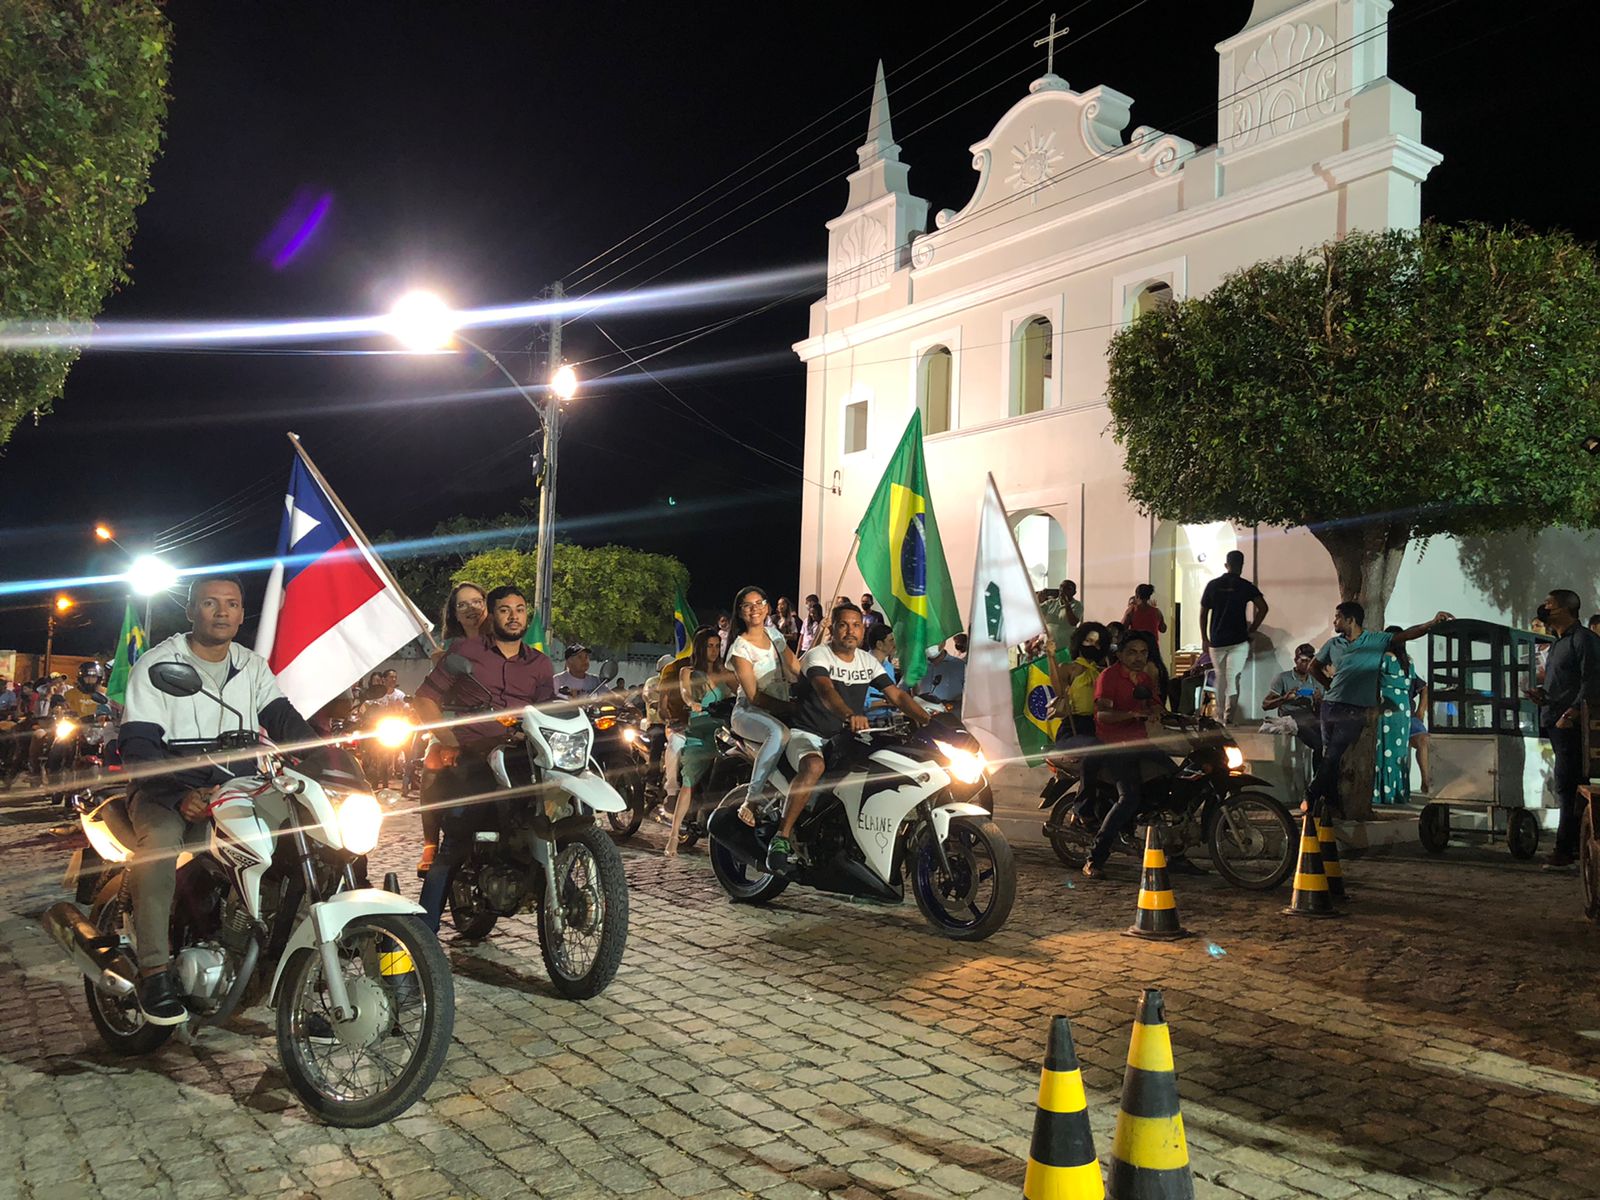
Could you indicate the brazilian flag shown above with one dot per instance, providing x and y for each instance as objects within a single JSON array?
[
  {"x": 534, "y": 634},
  {"x": 129, "y": 647},
  {"x": 1032, "y": 698},
  {"x": 902, "y": 560},
  {"x": 684, "y": 624}
]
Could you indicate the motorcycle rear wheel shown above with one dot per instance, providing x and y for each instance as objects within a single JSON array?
[
  {"x": 1256, "y": 829},
  {"x": 582, "y": 952},
  {"x": 744, "y": 884},
  {"x": 1071, "y": 846},
  {"x": 119, "y": 1022},
  {"x": 623, "y": 825}
]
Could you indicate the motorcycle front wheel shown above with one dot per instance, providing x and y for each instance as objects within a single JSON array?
[
  {"x": 582, "y": 938},
  {"x": 1252, "y": 841},
  {"x": 974, "y": 899},
  {"x": 373, "y": 1067}
]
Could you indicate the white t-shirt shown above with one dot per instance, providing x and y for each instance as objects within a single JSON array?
[
  {"x": 768, "y": 664},
  {"x": 576, "y": 686}
]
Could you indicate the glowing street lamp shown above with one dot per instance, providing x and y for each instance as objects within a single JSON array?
[
  {"x": 63, "y": 605},
  {"x": 150, "y": 576},
  {"x": 564, "y": 383},
  {"x": 103, "y": 532},
  {"x": 422, "y": 322}
]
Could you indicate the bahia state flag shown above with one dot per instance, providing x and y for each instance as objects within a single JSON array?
[
  {"x": 902, "y": 560},
  {"x": 129, "y": 646},
  {"x": 684, "y": 624},
  {"x": 1032, "y": 697}
]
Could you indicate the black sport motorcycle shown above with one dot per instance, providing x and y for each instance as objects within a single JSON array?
[{"x": 1208, "y": 800}]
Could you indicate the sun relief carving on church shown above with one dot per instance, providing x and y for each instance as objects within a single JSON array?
[
  {"x": 1033, "y": 161},
  {"x": 1286, "y": 82},
  {"x": 861, "y": 260}
]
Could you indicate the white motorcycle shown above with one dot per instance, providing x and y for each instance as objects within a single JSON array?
[
  {"x": 894, "y": 805},
  {"x": 536, "y": 846},
  {"x": 270, "y": 910}
]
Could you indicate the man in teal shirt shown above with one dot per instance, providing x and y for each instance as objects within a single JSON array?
[{"x": 1348, "y": 666}]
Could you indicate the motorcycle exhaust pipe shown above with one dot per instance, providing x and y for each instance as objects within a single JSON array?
[{"x": 99, "y": 956}]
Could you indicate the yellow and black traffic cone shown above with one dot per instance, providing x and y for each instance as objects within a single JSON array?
[
  {"x": 1061, "y": 1161},
  {"x": 1311, "y": 895},
  {"x": 1157, "y": 914},
  {"x": 1328, "y": 848},
  {"x": 1149, "y": 1154}
]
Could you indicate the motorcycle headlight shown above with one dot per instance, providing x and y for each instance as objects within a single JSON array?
[
  {"x": 568, "y": 751},
  {"x": 966, "y": 766},
  {"x": 1234, "y": 757},
  {"x": 360, "y": 819},
  {"x": 630, "y": 734},
  {"x": 394, "y": 732}
]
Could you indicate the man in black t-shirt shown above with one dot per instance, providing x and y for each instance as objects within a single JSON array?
[
  {"x": 833, "y": 696},
  {"x": 1225, "y": 631}
]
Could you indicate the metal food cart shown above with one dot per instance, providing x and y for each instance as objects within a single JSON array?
[{"x": 1487, "y": 756}]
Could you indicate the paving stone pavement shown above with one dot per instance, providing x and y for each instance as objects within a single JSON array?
[{"x": 1428, "y": 1045}]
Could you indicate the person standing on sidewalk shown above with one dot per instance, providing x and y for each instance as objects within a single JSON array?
[
  {"x": 1571, "y": 677},
  {"x": 1225, "y": 632}
]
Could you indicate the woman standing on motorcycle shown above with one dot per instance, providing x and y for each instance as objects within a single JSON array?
[
  {"x": 702, "y": 684},
  {"x": 463, "y": 616},
  {"x": 764, "y": 667}
]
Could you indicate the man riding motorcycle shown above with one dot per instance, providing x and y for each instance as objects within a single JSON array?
[
  {"x": 833, "y": 696},
  {"x": 514, "y": 675},
  {"x": 168, "y": 803},
  {"x": 1126, "y": 702}
]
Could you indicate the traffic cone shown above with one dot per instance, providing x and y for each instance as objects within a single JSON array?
[
  {"x": 1328, "y": 848},
  {"x": 1311, "y": 896},
  {"x": 1157, "y": 914},
  {"x": 1149, "y": 1154},
  {"x": 1061, "y": 1161}
]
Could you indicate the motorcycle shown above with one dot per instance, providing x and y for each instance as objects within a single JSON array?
[
  {"x": 612, "y": 716},
  {"x": 269, "y": 910},
  {"x": 1210, "y": 800},
  {"x": 548, "y": 854},
  {"x": 895, "y": 805}
]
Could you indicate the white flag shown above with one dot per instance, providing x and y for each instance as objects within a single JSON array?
[{"x": 1002, "y": 614}]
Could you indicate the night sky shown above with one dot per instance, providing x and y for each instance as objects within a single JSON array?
[{"x": 488, "y": 149}]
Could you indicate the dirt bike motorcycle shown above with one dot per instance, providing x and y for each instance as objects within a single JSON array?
[
  {"x": 546, "y": 853},
  {"x": 891, "y": 809},
  {"x": 1209, "y": 800},
  {"x": 268, "y": 910}
]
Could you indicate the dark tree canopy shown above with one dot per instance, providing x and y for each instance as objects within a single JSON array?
[
  {"x": 82, "y": 100},
  {"x": 1378, "y": 388}
]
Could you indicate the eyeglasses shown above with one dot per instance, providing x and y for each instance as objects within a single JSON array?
[
  {"x": 751, "y": 605},
  {"x": 469, "y": 604}
]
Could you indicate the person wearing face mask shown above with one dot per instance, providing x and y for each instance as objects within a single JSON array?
[{"x": 1076, "y": 669}]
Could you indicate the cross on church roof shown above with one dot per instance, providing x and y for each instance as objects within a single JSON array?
[{"x": 1049, "y": 40}]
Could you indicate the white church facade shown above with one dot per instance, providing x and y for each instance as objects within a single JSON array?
[{"x": 994, "y": 321}]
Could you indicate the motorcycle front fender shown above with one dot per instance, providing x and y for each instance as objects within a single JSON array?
[
  {"x": 943, "y": 814},
  {"x": 327, "y": 918},
  {"x": 1237, "y": 781},
  {"x": 589, "y": 789}
]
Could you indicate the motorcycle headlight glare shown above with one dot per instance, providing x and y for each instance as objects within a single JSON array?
[
  {"x": 568, "y": 751},
  {"x": 66, "y": 728},
  {"x": 966, "y": 766},
  {"x": 360, "y": 819},
  {"x": 630, "y": 734},
  {"x": 1234, "y": 757},
  {"x": 394, "y": 732}
]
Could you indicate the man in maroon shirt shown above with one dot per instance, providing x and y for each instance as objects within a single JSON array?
[
  {"x": 1126, "y": 700},
  {"x": 506, "y": 676}
]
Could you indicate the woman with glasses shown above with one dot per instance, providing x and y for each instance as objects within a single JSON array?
[
  {"x": 764, "y": 668},
  {"x": 465, "y": 610}
]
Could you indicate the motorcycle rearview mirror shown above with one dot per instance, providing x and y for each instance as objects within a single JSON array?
[
  {"x": 176, "y": 679},
  {"x": 456, "y": 664}
]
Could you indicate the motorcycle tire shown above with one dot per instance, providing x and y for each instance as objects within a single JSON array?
[
  {"x": 744, "y": 884},
  {"x": 432, "y": 987},
  {"x": 589, "y": 881},
  {"x": 1071, "y": 846},
  {"x": 120, "y": 1023},
  {"x": 939, "y": 899},
  {"x": 688, "y": 837},
  {"x": 470, "y": 919},
  {"x": 623, "y": 825},
  {"x": 1273, "y": 821}
]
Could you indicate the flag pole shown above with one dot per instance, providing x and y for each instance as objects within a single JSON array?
[
  {"x": 377, "y": 560},
  {"x": 849, "y": 556}
]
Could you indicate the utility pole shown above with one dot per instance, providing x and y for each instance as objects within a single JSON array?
[{"x": 547, "y": 494}]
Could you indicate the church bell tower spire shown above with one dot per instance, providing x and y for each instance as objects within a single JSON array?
[{"x": 880, "y": 137}]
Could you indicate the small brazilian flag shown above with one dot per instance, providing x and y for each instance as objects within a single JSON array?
[
  {"x": 684, "y": 624},
  {"x": 129, "y": 646},
  {"x": 902, "y": 560},
  {"x": 1032, "y": 698},
  {"x": 534, "y": 634}
]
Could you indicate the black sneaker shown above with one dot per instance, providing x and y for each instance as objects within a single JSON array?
[
  {"x": 778, "y": 853},
  {"x": 159, "y": 1002}
]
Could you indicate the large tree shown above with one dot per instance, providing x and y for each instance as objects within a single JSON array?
[
  {"x": 82, "y": 100},
  {"x": 1376, "y": 389},
  {"x": 605, "y": 595}
]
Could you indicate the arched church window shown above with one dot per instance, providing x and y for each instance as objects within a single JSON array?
[
  {"x": 1033, "y": 352},
  {"x": 1153, "y": 297},
  {"x": 933, "y": 389}
]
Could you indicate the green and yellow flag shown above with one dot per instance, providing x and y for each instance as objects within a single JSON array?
[
  {"x": 684, "y": 623},
  {"x": 902, "y": 560},
  {"x": 534, "y": 634},
  {"x": 129, "y": 646},
  {"x": 1032, "y": 697}
]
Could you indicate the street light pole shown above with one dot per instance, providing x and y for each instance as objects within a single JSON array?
[{"x": 547, "y": 493}]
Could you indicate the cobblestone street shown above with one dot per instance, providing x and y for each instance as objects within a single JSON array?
[{"x": 1429, "y": 1045}]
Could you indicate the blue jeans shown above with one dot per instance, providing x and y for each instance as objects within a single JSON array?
[
  {"x": 759, "y": 725},
  {"x": 1341, "y": 725}
]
